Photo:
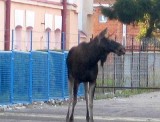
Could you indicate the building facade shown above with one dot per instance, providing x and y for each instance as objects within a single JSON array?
[
  {"x": 116, "y": 30},
  {"x": 2, "y": 25},
  {"x": 40, "y": 21},
  {"x": 85, "y": 19}
]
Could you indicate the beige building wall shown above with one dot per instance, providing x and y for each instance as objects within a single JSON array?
[
  {"x": 2, "y": 25},
  {"x": 85, "y": 19},
  {"x": 39, "y": 34},
  {"x": 45, "y": 17},
  {"x": 87, "y": 15},
  {"x": 72, "y": 29}
]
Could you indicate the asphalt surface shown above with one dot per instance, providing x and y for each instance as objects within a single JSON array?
[{"x": 139, "y": 108}]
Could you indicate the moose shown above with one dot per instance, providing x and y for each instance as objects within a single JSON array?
[{"x": 82, "y": 63}]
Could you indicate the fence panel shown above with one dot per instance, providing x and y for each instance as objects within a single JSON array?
[
  {"x": 66, "y": 93},
  {"x": 21, "y": 77},
  {"x": 151, "y": 60},
  {"x": 143, "y": 69},
  {"x": 133, "y": 70},
  {"x": 127, "y": 69},
  {"x": 56, "y": 75},
  {"x": 119, "y": 71},
  {"x": 157, "y": 70},
  {"x": 39, "y": 76},
  {"x": 135, "y": 75},
  {"x": 5, "y": 77}
]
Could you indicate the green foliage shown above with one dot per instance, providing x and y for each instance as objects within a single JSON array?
[
  {"x": 130, "y": 92},
  {"x": 109, "y": 12},
  {"x": 144, "y": 25},
  {"x": 143, "y": 30},
  {"x": 108, "y": 82},
  {"x": 126, "y": 10},
  {"x": 131, "y": 11}
]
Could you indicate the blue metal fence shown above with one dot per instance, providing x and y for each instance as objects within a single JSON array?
[
  {"x": 33, "y": 76},
  {"x": 5, "y": 77}
]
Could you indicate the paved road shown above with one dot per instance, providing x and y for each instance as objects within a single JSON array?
[
  {"x": 61, "y": 118},
  {"x": 139, "y": 108}
]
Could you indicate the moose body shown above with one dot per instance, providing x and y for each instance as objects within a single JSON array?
[{"x": 82, "y": 64}]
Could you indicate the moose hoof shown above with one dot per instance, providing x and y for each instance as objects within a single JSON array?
[
  {"x": 87, "y": 118},
  {"x": 91, "y": 120},
  {"x": 71, "y": 119}
]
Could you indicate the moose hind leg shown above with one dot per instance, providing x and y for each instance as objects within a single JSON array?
[
  {"x": 70, "y": 87},
  {"x": 75, "y": 90},
  {"x": 91, "y": 96}
]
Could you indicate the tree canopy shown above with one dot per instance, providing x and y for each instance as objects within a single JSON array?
[{"x": 135, "y": 11}]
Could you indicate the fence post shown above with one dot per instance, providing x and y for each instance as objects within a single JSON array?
[
  {"x": 132, "y": 65},
  {"x": 12, "y": 39},
  {"x": 12, "y": 70},
  {"x": 103, "y": 79},
  {"x": 48, "y": 40},
  {"x": 12, "y": 77},
  {"x": 140, "y": 49},
  {"x": 147, "y": 67},
  {"x": 63, "y": 45},
  {"x": 114, "y": 58},
  {"x": 30, "y": 67},
  {"x": 154, "y": 62},
  {"x": 31, "y": 41},
  {"x": 78, "y": 37},
  {"x": 63, "y": 75},
  {"x": 48, "y": 64}
]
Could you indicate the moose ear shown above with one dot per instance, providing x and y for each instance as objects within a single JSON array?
[{"x": 104, "y": 33}]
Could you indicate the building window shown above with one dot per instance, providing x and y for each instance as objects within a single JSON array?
[
  {"x": 48, "y": 21},
  {"x": 102, "y": 19},
  {"x": 57, "y": 43},
  {"x": 72, "y": 1},
  {"x": 18, "y": 38},
  {"x": 19, "y": 18},
  {"x": 28, "y": 38},
  {"x": 58, "y": 22},
  {"x": 48, "y": 38},
  {"x": 30, "y": 18}
]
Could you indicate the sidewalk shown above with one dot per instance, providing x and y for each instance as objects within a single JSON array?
[{"x": 139, "y": 108}]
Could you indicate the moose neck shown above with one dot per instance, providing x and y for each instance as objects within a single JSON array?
[{"x": 97, "y": 52}]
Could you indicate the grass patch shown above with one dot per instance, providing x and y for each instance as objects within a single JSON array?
[
  {"x": 107, "y": 82},
  {"x": 130, "y": 92},
  {"x": 121, "y": 93}
]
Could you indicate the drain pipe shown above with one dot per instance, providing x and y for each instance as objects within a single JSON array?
[
  {"x": 64, "y": 14},
  {"x": 7, "y": 26}
]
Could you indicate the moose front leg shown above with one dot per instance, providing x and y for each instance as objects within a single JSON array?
[
  {"x": 86, "y": 86},
  {"x": 91, "y": 96}
]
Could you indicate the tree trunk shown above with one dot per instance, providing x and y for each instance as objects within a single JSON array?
[{"x": 150, "y": 29}]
